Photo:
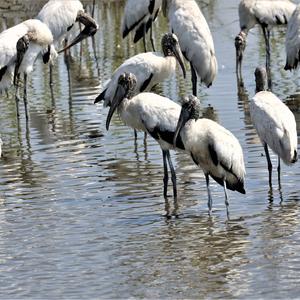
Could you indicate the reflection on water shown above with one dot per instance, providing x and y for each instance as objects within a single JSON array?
[{"x": 82, "y": 211}]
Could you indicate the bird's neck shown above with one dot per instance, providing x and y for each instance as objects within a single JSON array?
[{"x": 195, "y": 115}]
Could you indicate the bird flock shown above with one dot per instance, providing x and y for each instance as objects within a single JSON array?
[{"x": 174, "y": 126}]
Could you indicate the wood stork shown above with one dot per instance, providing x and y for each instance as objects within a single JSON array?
[
  {"x": 266, "y": 13},
  {"x": 19, "y": 48},
  {"x": 139, "y": 16},
  {"x": 149, "y": 68},
  {"x": 275, "y": 124},
  {"x": 188, "y": 23},
  {"x": 292, "y": 40},
  {"x": 212, "y": 147},
  {"x": 60, "y": 16},
  {"x": 150, "y": 113}
]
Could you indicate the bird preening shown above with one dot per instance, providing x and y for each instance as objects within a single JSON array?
[{"x": 22, "y": 43}]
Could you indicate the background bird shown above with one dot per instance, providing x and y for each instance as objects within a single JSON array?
[
  {"x": 139, "y": 16},
  {"x": 1, "y": 147},
  {"x": 266, "y": 13},
  {"x": 60, "y": 16},
  {"x": 188, "y": 23},
  {"x": 212, "y": 147},
  {"x": 150, "y": 113},
  {"x": 19, "y": 48},
  {"x": 292, "y": 41},
  {"x": 275, "y": 124},
  {"x": 149, "y": 68}
]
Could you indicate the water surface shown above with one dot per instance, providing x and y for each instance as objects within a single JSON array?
[{"x": 81, "y": 209}]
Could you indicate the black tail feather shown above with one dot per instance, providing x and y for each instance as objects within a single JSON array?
[
  {"x": 139, "y": 33},
  {"x": 237, "y": 186},
  {"x": 2, "y": 72}
]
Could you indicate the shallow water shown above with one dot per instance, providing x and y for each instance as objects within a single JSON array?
[{"x": 81, "y": 210}]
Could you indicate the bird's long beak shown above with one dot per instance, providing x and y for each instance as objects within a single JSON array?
[
  {"x": 22, "y": 46},
  {"x": 179, "y": 56},
  {"x": 119, "y": 96},
  {"x": 183, "y": 118},
  {"x": 90, "y": 29}
]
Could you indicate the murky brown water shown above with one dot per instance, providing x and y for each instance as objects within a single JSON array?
[{"x": 82, "y": 211}]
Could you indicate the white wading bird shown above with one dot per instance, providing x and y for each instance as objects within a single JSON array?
[
  {"x": 60, "y": 16},
  {"x": 19, "y": 48},
  {"x": 212, "y": 147},
  {"x": 139, "y": 16},
  {"x": 1, "y": 147},
  {"x": 292, "y": 41},
  {"x": 266, "y": 13},
  {"x": 149, "y": 68},
  {"x": 150, "y": 113},
  {"x": 195, "y": 40},
  {"x": 275, "y": 124}
]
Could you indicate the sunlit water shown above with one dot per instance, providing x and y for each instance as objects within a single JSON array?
[{"x": 82, "y": 213}]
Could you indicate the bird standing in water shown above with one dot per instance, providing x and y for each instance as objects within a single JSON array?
[
  {"x": 275, "y": 124},
  {"x": 212, "y": 147}
]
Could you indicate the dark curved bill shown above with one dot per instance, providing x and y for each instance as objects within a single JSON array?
[
  {"x": 178, "y": 55},
  {"x": 90, "y": 29},
  {"x": 22, "y": 46},
  {"x": 119, "y": 96},
  {"x": 183, "y": 118}
]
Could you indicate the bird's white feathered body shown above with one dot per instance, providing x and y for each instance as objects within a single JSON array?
[
  {"x": 147, "y": 65},
  {"x": 42, "y": 37},
  {"x": 60, "y": 16},
  {"x": 216, "y": 150},
  {"x": 188, "y": 23},
  {"x": 267, "y": 12},
  {"x": 138, "y": 12},
  {"x": 153, "y": 114},
  {"x": 292, "y": 40},
  {"x": 275, "y": 125}
]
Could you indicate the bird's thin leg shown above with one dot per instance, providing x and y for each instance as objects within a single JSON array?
[
  {"x": 278, "y": 171},
  {"x": 17, "y": 97},
  {"x": 226, "y": 198},
  {"x": 209, "y": 203},
  {"x": 145, "y": 146},
  {"x": 151, "y": 38},
  {"x": 165, "y": 173},
  {"x": 173, "y": 174},
  {"x": 93, "y": 8},
  {"x": 135, "y": 134},
  {"x": 194, "y": 80},
  {"x": 50, "y": 74},
  {"x": 269, "y": 164},
  {"x": 266, "y": 33},
  {"x": 25, "y": 97}
]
